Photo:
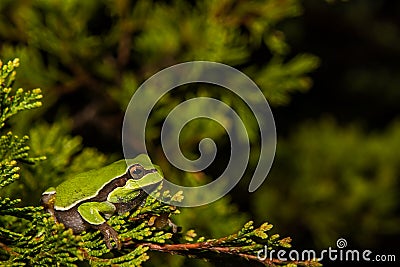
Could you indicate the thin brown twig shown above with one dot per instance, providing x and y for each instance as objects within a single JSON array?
[
  {"x": 8, "y": 249},
  {"x": 195, "y": 249}
]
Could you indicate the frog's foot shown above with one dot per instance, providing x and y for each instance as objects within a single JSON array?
[
  {"x": 175, "y": 228},
  {"x": 109, "y": 233},
  {"x": 161, "y": 221}
]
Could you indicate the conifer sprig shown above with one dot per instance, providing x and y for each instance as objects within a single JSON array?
[
  {"x": 12, "y": 102},
  {"x": 29, "y": 236}
]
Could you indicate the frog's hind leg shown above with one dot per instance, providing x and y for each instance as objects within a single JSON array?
[
  {"x": 72, "y": 219},
  {"x": 90, "y": 211},
  {"x": 109, "y": 233}
]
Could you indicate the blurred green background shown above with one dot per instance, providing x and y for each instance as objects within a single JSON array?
[{"x": 329, "y": 70}]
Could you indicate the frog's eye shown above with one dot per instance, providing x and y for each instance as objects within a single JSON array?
[{"x": 136, "y": 171}]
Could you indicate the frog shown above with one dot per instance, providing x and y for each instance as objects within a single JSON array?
[{"x": 87, "y": 200}]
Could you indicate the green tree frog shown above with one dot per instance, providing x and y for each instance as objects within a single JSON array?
[{"x": 88, "y": 199}]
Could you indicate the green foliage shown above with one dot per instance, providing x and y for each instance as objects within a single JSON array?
[
  {"x": 46, "y": 243},
  {"x": 328, "y": 181},
  {"x": 13, "y": 102},
  {"x": 90, "y": 56},
  {"x": 12, "y": 147},
  {"x": 326, "y": 168},
  {"x": 29, "y": 236},
  {"x": 146, "y": 36},
  {"x": 65, "y": 155}
]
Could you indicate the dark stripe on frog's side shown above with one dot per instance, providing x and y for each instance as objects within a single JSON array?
[
  {"x": 120, "y": 182},
  {"x": 72, "y": 219},
  {"x": 83, "y": 186},
  {"x": 103, "y": 193},
  {"x": 113, "y": 184}
]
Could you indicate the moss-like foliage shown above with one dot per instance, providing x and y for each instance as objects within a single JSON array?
[
  {"x": 30, "y": 236},
  {"x": 89, "y": 57}
]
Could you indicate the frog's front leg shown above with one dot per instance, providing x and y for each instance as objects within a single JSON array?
[
  {"x": 125, "y": 199},
  {"x": 90, "y": 212}
]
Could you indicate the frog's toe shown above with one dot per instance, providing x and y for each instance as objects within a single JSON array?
[{"x": 109, "y": 233}]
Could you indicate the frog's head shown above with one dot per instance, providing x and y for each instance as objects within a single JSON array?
[
  {"x": 143, "y": 174},
  {"x": 142, "y": 178}
]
